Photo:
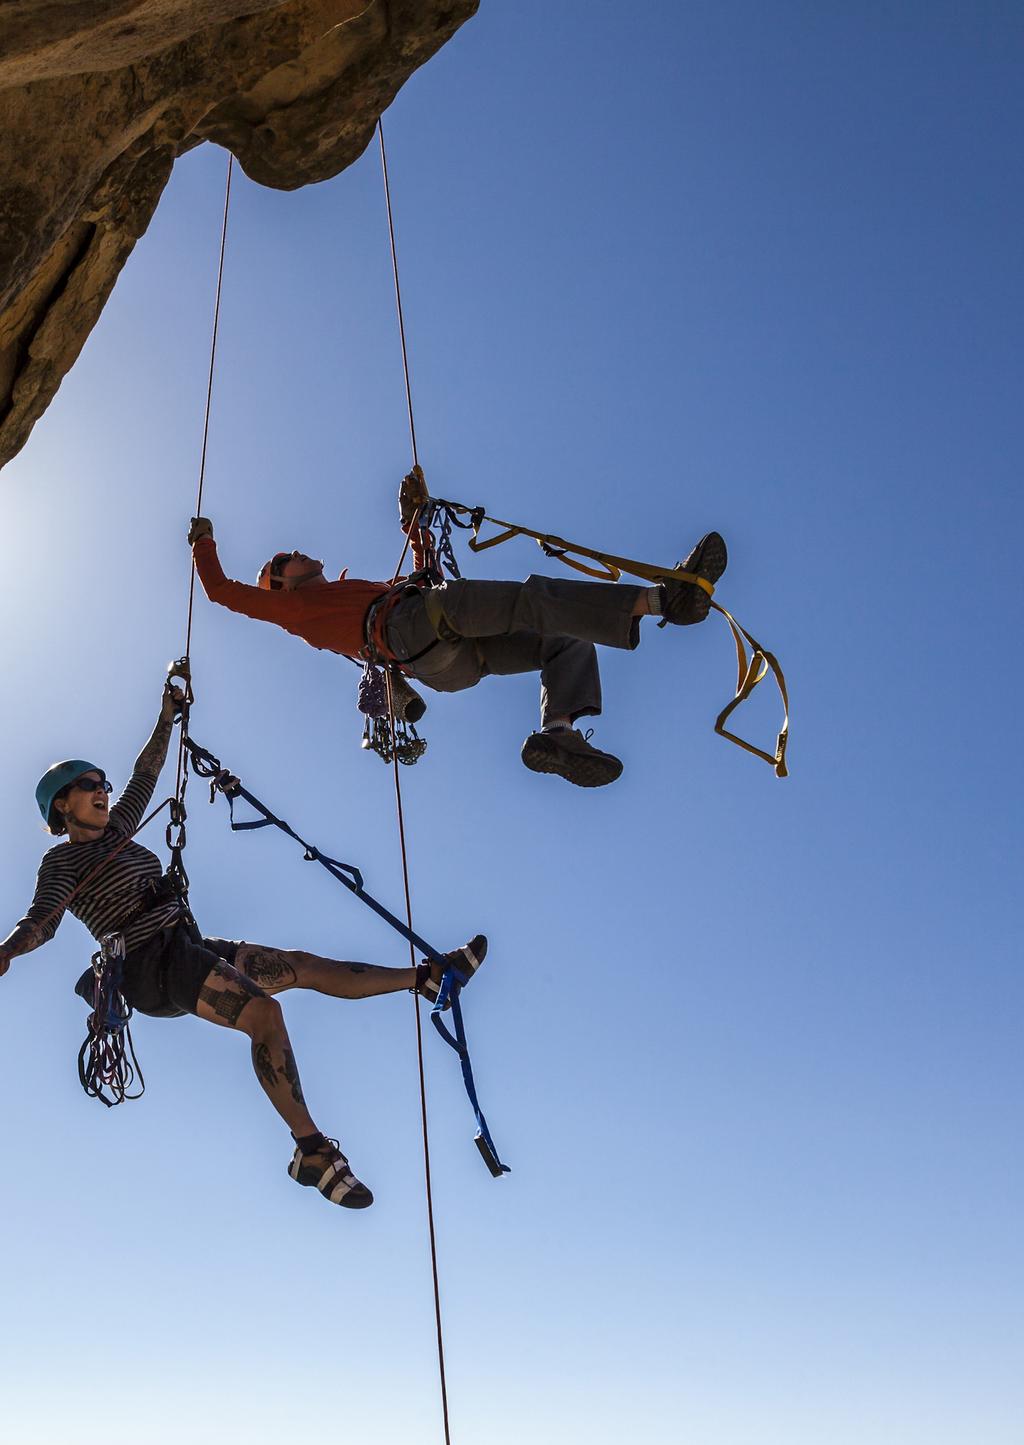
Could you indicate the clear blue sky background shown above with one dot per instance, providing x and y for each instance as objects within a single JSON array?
[{"x": 751, "y": 1047}]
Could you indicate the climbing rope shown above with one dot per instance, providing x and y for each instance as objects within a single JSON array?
[
  {"x": 107, "y": 1065},
  {"x": 401, "y": 818},
  {"x": 183, "y": 666}
]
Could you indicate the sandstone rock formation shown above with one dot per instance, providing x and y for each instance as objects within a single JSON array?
[{"x": 98, "y": 98}]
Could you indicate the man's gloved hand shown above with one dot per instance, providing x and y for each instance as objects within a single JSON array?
[
  {"x": 412, "y": 496},
  {"x": 201, "y": 527}
]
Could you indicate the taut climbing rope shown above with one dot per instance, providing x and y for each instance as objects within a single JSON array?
[
  {"x": 401, "y": 823},
  {"x": 183, "y": 666}
]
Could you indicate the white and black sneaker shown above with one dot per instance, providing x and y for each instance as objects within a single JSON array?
[
  {"x": 328, "y": 1170},
  {"x": 465, "y": 961}
]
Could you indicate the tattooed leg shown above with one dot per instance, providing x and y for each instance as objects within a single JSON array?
[
  {"x": 275, "y": 969},
  {"x": 228, "y": 998}
]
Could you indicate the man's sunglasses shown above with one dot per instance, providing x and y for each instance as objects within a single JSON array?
[{"x": 89, "y": 785}]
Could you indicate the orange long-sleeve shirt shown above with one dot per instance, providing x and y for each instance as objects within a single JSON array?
[{"x": 330, "y": 616}]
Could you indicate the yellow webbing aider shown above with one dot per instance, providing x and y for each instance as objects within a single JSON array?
[{"x": 749, "y": 671}]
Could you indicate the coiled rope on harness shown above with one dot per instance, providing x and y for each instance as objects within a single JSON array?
[
  {"x": 108, "y": 1067},
  {"x": 444, "y": 515}
]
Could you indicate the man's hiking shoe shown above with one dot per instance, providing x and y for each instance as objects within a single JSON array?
[
  {"x": 685, "y": 602},
  {"x": 465, "y": 961},
  {"x": 571, "y": 755},
  {"x": 328, "y": 1171}
]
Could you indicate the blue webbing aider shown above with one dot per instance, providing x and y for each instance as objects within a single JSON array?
[{"x": 208, "y": 766}]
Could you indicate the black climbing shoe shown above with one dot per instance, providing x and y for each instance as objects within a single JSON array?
[
  {"x": 685, "y": 602},
  {"x": 465, "y": 961},
  {"x": 571, "y": 755},
  {"x": 328, "y": 1170}
]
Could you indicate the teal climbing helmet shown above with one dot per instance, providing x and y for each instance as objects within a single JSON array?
[{"x": 58, "y": 777}]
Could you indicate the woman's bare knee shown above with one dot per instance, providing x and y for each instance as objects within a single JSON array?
[{"x": 263, "y": 1019}]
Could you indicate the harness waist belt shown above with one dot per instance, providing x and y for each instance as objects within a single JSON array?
[
  {"x": 157, "y": 896},
  {"x": 375, "y": 628}
]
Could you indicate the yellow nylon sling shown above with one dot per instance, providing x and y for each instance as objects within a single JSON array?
[{"x": 750, "y": 671}]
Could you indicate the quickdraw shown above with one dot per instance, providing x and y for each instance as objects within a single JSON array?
[
  {"x": 444, "y": 515},
  {"x": 206, "y": 765}
]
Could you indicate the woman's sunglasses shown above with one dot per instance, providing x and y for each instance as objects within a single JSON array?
[{"x": 89, "y": 785}]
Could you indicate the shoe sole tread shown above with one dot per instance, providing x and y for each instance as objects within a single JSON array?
[{"x": 577, "y": 768}]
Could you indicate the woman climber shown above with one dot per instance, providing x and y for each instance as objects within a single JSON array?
[
  {"x": 448, "y": 636},
  {"x": 115, "y": 886}
]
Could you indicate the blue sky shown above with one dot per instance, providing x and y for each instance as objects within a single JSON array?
[{"x": 751, "y": 1047}]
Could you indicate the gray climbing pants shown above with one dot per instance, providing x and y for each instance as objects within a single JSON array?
[{"x": 545, "y": 624}]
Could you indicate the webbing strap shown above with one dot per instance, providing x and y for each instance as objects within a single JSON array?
[
  {"x": 208, "y": 766},
  {"x": 749, "y": 674},
  {"x": 451, "y": 987},
  {"x": 762, "y": 662}
]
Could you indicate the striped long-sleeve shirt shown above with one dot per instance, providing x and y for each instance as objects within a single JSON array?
[{"x": 118, "y": 886}]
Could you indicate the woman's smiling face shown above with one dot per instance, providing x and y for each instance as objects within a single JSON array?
[{"x": 87, "y": 806}]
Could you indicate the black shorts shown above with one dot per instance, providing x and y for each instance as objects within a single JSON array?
[{"x": 163, "y": 976}]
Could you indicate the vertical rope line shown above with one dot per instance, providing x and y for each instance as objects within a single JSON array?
[
  {"x": 423, "y": 1085},
  {"x": 206, "y": 436},
  {"x": 401, "y": 819},
  {"x": 398, "y": 293}
]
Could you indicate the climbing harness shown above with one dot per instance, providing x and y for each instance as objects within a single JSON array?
[
  {"x": 206, "y": 765},
  {"x": 444, "y": 515},
  {"x": 107, "y": 1064}
]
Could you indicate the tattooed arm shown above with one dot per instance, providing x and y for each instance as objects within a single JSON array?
[
  {"x": 22, "y": 939},
  {"x": 127, "y": 812},
  {"x": 46, "y": 911},
  {"x": 154, "y": 754}
]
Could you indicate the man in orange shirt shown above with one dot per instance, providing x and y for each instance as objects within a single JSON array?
[{"x": 450, "y": 635}]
